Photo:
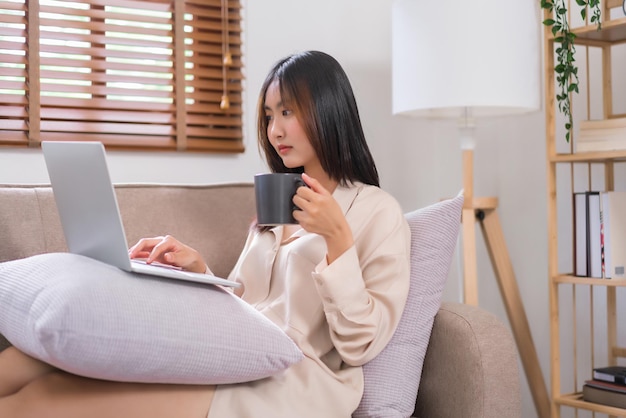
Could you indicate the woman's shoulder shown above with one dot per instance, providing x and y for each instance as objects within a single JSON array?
[
  {"x": 376, "y": 216},
  {"x": 377, "y": 198},
  {"x": 371, "y": 202}
]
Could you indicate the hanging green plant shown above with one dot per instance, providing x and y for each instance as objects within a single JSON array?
[{"x": 566, "y": 69}]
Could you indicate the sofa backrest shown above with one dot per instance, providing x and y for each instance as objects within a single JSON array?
[{"x": 214, "y": 219}]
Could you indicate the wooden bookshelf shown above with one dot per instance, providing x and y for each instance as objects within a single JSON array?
[
  {"x": 600, "y": 157},
  {"x": 589, "y": 281},
  {"x": 575, "y": 400},
  {"x": 613, "y": 33}
]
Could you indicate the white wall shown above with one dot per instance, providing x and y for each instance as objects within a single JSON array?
[{"x": 419, "y": 161}]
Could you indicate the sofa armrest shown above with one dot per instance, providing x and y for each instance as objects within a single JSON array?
[{"x": 471, "y": 367}]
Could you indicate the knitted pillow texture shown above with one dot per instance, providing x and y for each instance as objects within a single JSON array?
[
  {"x": 94, "y": 320},
  {"x": 392, "y": 378}
]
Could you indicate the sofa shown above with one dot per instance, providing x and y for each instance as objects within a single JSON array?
[{"x": 471, "y": 364}]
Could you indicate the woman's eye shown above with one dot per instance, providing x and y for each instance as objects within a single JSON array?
[
  {"x": 286, "y": 112},
  {"x": 268, "y": 118}
]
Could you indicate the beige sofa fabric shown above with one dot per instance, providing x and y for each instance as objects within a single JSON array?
[
  {"x": 213, "y": 219},
  {"x": 471, "y": 357},
  {"x": 471, "y": 366}
]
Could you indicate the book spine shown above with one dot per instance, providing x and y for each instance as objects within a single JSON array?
[
  {"x": 580, "y": 234},
  {"x": 616, "y": 234},
  {"x": 605, "y": 215},
  {"x": 594, "y": 236},
  {"x": 604, "y": 397},
  {"x": 604, "y": 145},
  {"x": 599, "y": 124}
]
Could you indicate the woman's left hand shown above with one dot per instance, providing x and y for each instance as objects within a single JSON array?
[{"x": 321, "y": 214}]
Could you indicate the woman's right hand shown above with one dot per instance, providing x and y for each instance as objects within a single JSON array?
[{"x": 168, "y": 250}]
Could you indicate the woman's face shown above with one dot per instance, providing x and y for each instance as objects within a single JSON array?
[{"x": 286, "y": 134}]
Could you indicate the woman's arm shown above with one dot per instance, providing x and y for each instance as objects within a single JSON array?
[{"x": 365, "y": 289}]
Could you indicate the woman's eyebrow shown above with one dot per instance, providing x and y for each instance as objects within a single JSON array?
[{"x": 278, "y": 105}]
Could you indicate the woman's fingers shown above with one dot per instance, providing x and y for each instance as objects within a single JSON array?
[
  {"x": 168, "y": 250},
  {"x": 314, "y": 185},
  {"x": 306, "y": 197},
  {"x": 319, "y": 211},
  {"x": 159, "y": 250},
  {"x": 156, "y": 249},
  {"x": 143, "y": 247}
]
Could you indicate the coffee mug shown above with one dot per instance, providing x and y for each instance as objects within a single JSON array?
[{"x": 274, "y": 197}]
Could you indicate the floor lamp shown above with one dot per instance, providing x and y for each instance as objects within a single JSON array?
[{"x": 469, "y": 60}]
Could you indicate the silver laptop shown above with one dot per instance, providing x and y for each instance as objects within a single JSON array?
[{"x": 89, "y": 213}]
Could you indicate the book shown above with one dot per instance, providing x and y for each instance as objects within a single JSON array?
[
  {"x": 580, "y": 234},
  {"x": 595, "y": 125},
  {"x": 605, "y": 144},
  {"x": 613, "y": 218},
  {"x": 601, "y": 384},
  {"x": 603, "y": 396},
  {"x": 594, "y": 235},
  {"x": 600, "y": 234},
  {"x": 589, "y": 235},
  {"x": 601, "y": 135},
  {"x": 605, "y": 236},
  {"x": 611, "y": 374}
]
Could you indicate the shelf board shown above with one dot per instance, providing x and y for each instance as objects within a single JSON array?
[
  {"x": 613, "y": 31},
  {"x": 575, "y": 400},
  {"x": 599, "y": 156},
  {"x": 570, "y": 279}
]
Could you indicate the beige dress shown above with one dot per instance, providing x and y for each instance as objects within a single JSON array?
[{"x": 340, "y": 315}]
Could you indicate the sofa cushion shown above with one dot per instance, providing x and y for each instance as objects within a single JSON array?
[
  {"x": 95, "y": 320},
  {"x": 392, "y": 378}
]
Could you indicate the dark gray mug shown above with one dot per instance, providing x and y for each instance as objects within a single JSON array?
[{"x": 274, "y": 197}]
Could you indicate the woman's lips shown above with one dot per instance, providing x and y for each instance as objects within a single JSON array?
[{"x": 282, "y": 149}]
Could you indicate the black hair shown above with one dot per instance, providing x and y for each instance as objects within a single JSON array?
[{"x": 314, "y": 85}]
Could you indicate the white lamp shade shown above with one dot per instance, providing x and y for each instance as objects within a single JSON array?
[{"x": 453, "y": 55}]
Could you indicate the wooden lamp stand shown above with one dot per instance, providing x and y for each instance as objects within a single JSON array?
[{"x": 483, "y": 210}]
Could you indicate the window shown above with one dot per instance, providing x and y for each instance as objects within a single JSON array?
[{"x": 138, "y": 74}]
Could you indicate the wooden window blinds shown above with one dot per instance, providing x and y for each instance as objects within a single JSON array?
[{"x": 159, "y": 74}]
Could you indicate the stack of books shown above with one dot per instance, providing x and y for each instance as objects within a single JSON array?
[
  {"x": 600, "y": 234},
  {"x": 608, "y": 387},
  {"x": 601, "y": 135}
]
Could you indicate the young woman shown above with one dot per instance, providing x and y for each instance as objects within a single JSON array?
[{"x": 336, "y": 282}]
